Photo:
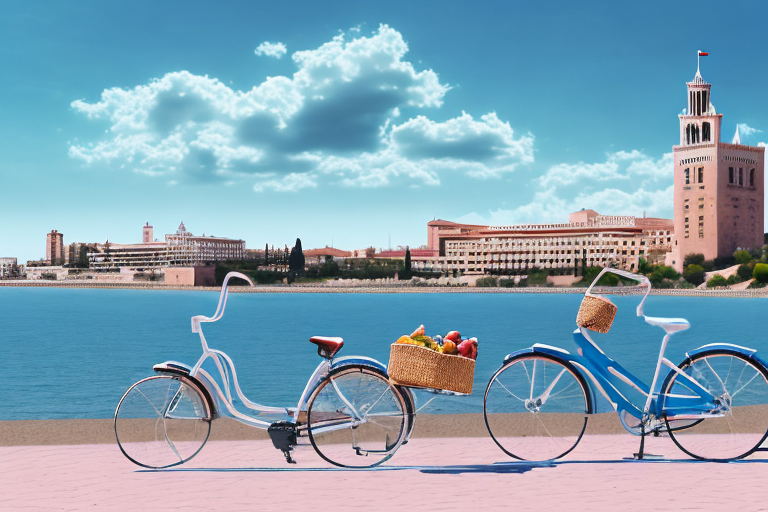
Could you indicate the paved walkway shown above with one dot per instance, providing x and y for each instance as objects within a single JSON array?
[{"x": 427, "y": 474}]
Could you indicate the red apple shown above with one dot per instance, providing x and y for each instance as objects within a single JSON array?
[
  {"x": 453, "y": 336},
  {"x": 466, "y": 348}
]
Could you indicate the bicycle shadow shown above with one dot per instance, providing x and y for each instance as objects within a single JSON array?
[{"x": 512, "y": 467}]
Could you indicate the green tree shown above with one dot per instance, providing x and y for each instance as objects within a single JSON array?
[
  {"x": 761, "y": 272},
  {"x": 266, "y": 254},
  {"x": 742, "y": 257},
  {"x": 407, "y": 270},
  {"x": 694, "y": 274},
  {"x": 717, "y": 281},
  {"x": 693, "y": 259},
  {"x": 296, "y": 259},
  {"x": 486, "y": 282},
  {"x": 661, "y": 277},
  {"x": 744, "y": 272},
  {"x": 590, "y": 273}
]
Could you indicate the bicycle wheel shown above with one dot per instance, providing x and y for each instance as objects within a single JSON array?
[
  {"x": 355, "y": 418},
  {"x": 162, "y": 421},
  {"x": 740, "y": 388},
  {"x": 536, "y": 407}
]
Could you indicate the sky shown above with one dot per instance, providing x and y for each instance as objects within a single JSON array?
[{"x": 353, "y": 124}]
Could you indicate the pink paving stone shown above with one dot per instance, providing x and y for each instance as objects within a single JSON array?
[{"x": 437, "y": 474}]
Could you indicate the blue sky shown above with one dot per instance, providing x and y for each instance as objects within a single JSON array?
[{"x": 352, "y": 123}]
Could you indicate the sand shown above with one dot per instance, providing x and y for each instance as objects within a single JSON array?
[{"x": 101, "y": 431}]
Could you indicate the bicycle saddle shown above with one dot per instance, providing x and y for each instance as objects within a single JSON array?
[
  {"x": 327, "y": 346},
  {"x": 670, "y": 325}
]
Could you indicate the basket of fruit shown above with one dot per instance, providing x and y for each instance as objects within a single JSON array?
[{"x": 445, "y": 363}]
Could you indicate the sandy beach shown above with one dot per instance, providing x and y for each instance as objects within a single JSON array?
[
  {"x": 449, "y": 464},
  {"x": 373, "y": 288}
]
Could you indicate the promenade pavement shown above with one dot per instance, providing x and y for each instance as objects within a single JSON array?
[{"x": 440, "y": 474}]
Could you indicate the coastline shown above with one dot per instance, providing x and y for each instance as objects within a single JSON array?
[
  {"x": 374, "y": 289},
  {"x": 101, "y": 431}
]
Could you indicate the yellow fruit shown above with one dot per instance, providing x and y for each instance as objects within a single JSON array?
[{"x": 404, "y": 339}]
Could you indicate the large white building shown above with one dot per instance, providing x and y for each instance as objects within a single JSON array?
[
  {"x": 587, "y": 239},
  {"x": 180, "y": 249}
]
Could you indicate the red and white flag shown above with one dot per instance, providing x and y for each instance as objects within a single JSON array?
[{"x": 703, "y": 54}]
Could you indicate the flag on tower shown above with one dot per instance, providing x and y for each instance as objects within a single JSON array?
[{"x": 703, "y": 54}]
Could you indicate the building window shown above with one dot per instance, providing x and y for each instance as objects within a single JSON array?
[
  {"x": 687, "y": 177},
  {"x": 701, "y": 174},
  {"x": 701, "y": 226},
  {"x": 705, "y": 132},
  {"x": 730, "y": 175},
  {"x": 741, "y": 176},
  {"x": 752, "y": 178}
]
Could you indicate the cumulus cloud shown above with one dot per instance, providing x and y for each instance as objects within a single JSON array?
[
  {"x": 335, "y": 120},
  {"x": 747, "y": 130},
  {"x": 621, "y": 165},
  {"x": 627, "y": 183},
  {"x": 276, "y": 50},
  {"x": 548, "y": 206}
]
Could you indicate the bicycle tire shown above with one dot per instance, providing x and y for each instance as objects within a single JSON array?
[
  {"x": 525, "y": 429},
  {"x": 356, "y": 418},
  {"x": 743, "y": 426},
  {"x": 162, "y": 421}
]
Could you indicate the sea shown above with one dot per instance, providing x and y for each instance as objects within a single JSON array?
[{"x": 72, "y": 353}]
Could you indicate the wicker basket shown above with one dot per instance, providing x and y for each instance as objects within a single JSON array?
[
  {"x": 596, "y": 314},
  {"x": 414, "y": 366}
]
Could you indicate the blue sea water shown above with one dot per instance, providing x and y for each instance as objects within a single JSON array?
[{"x": 72, "y": 353}]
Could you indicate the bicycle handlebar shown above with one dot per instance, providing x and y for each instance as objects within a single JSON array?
[
  {"x": 196, "y": 320},
  {"x": 643, "y": 280}
]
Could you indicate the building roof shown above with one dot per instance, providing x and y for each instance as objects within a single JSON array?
[
  {"x": 447, "y": 223},
  {"x": 328, "y": 251},
  {"x": 415, "y": 253}
]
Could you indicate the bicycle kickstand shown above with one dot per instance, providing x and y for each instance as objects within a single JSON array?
[{"x": 641, "y": 452}]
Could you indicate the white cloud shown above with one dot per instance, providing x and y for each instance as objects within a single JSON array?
[
  {"x": 621, "y": 165},
  {"x": 640, "y": 184},
  {"x": 333, "y": 121},
  {"x": 547, "y": 206},
  {"x": 746, "y": 130},
  {"x": 290, "y": 183},
  {"x": 276, "y": 50}
]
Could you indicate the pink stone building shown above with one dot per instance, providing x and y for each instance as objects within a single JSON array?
[
  {"x": 587, "y": 239},
  {"x": 719, "y": 191},
  {"x": 54, "y": 248},
  {"x": 148, "y": 234}
]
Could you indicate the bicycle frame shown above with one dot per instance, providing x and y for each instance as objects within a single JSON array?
[
  {"x": 221, "y": 397},
  {"x": 613, "y": 381}
]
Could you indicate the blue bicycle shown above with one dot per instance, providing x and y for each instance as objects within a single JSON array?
[{"x": 714, "y": 405}]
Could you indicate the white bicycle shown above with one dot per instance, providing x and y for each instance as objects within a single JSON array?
[{"x": 351, "y": 413}]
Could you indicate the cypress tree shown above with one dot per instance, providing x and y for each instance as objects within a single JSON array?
[
  {"x": 296, "y": 259},
  {"x": 407, "y": 272},
  {"x": 266, "y": 254}
]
